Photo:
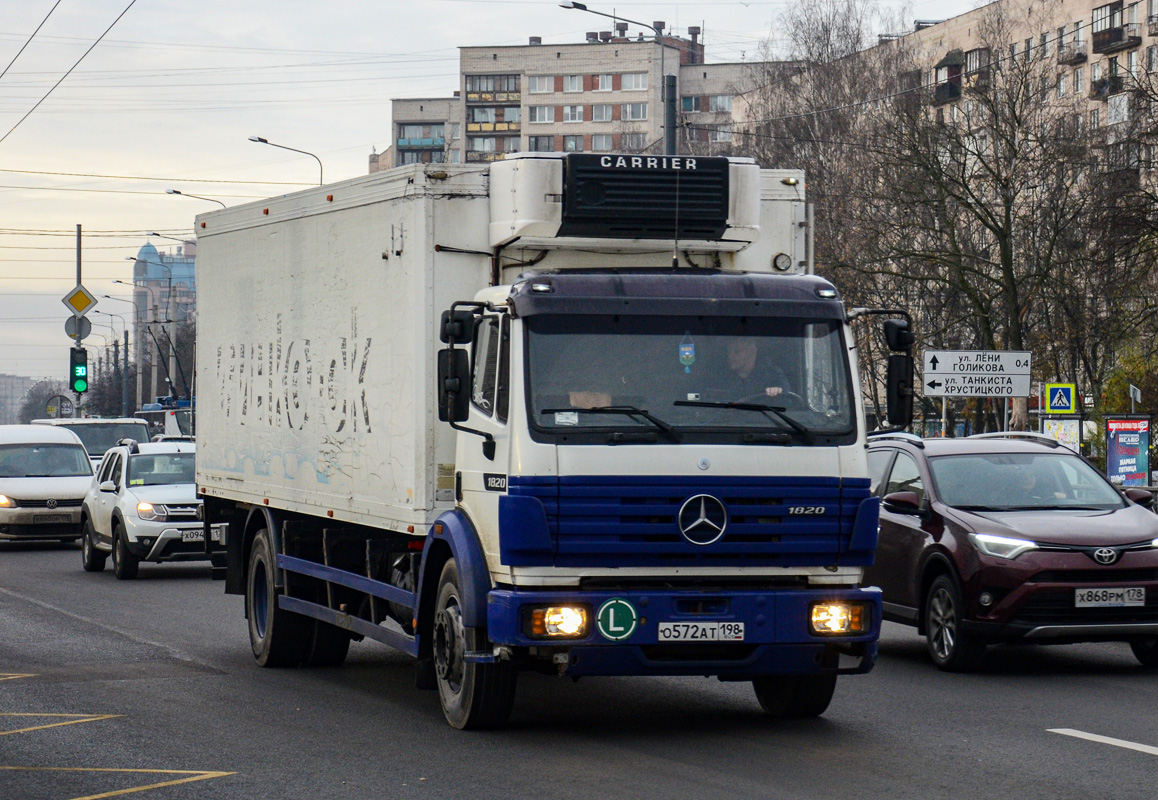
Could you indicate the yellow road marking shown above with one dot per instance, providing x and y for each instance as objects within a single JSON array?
[
  {"x": 11, "y": 676},
  {"x": 194, "y": 776},
  {"x": 72, "y": 719}
]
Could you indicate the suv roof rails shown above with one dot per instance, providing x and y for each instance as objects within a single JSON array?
[
  {"x": 911, "y": 438},
  {"x": 1040, "y": 438},
  {"x": 129, "y": 443}
]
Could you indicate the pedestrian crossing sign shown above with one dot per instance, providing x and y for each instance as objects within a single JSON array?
[{"x": 1061, "y": 398}]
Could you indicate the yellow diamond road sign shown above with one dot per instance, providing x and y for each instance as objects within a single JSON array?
[{"x": 79, "y": 301}]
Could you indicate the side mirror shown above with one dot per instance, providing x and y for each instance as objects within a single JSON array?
[
  {"x": 109, "y": 486},
  {"x": 902, "y": 503},
  {"x": 458, "y": 324},
  {"x": 898, "y": 335},
  {"x": 453, "y": 379},
  {"x": 899, "y": 389},
  {"x": 1140, "y": 496}
]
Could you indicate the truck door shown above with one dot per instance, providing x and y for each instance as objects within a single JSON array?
[{"x": 484, "y": 480}]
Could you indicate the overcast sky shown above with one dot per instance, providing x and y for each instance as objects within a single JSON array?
[{"x": 168, "y": 98}]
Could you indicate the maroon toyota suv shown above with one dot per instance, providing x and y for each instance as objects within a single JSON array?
[{"x": 1010, "y": 537}]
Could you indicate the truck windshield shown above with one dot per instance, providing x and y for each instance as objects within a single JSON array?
[{"x": 710, "y": 378}]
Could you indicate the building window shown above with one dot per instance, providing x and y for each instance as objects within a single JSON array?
[
  {"x": 720, "y": 102},
  {"x": 1132, "y": 63},
  {"x": 455, "y": 130},
  {"x": 1103, "y": 16},
  {"x": 634, "y": 81},
  {"x": 633, "y": 141},
  {"x": 572, "y": 144},
  {"x": 1096, "y": 72},
  {"x": 541, "y": 144},
  {"x": 510, "y": 144},
  {"x": 1061, "y": 37},
  {"x": 437, "y": 156},
  {"x": 572, "y": 83},
  {"x": 572, "y": 113},
  {"x": 492, "y": 83},
  {"x": 601, "y": 142},
  {"x": 977, "y": 60},
  {"x": 603, "y": 83},
  {"x": 601, "y": 113},
  {"x": 634, "y": 111},
  {"x": 1094, "y": 119},
  {"x": 1152, "y": 58},
  {"x": 481, "y": 144},
  {"x": 512, "y": 114},
  {"x": 482, "y": 115},
  {"x": 1061, "y": 85},
  {"x": 412, "y": 131},
  {"x": 719, "y": 135},
  {"x": 537, "y": 114},
  {"x": 1113, "y": 66},
  {"x": 1079, "y": 34},
  {"x": 1079, "y": 80},
  {"x": 690, "y": 105},
  {"x": 1044, "y": 39},
  {"x": 541, "y": 84},
  {"x": 409, "y": 157},
  {"x": 1029, "y": 50}
]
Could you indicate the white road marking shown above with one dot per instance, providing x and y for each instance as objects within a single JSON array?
[{"x": 1093, "y": 737}]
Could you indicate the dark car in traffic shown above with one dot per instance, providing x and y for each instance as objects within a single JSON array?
[{"x": 1010, "y": 538}]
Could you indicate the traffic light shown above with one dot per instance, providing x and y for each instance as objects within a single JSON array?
[{"x": 78, "y": 370}]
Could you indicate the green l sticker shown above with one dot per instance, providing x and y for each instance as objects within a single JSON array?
[{"x": 616, "y": 619}]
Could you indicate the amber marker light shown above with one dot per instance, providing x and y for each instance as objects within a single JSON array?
[
  {"x": 836, "y": 619},
  {"x": 558, "y": 622}
]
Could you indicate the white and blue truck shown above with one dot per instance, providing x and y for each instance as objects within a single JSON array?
[{"x": 581, "y": 414}]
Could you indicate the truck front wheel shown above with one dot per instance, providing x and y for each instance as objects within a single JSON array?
[
  {"x": 795, "y": 696},
  {"x": 279, "y": 638},
  {"x": 473, "y": 695}
]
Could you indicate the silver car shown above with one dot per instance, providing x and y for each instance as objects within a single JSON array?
[
  {"x": 142, "y": 506},
  {"x": 44, "y": 474}
]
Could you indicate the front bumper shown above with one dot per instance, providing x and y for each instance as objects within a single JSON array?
[
  {"x": 167, "y": 541},
  {"x": 40, "y": 523},
  {"x": 777, "y": 639}
]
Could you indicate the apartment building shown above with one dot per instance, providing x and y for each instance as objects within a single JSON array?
[{"x": 601, "y": 95}]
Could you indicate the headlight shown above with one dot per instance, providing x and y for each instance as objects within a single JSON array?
[
  {"x": 8, "y": 502},
  {"x": 1001, "y": 546},
  {"x": 150, "y": 512},
  {"x": 557, "y": 622},
  {"x": 835, "y": 619}
]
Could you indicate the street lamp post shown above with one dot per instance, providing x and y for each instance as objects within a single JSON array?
[
  {"x": 124, "y": 358},
  {"x": 667, "y": 89},
  {"x": 137, "y": 337},
  {"x": 195, "y": 197},
  {"x": 260, "y": 140}
]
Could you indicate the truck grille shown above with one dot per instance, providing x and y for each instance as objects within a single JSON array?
[{"x": 612, "y": 521}]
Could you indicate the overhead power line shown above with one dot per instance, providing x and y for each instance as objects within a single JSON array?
[
  {"x": 30, "y": 38},
  {"x": 147, "y": 178},
  {"x": 70, "y": 69}
]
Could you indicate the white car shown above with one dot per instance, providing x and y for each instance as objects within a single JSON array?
[
  {"x": 142, "y": 506},
  {"x": 44, "y": 474},
  {"x": 99, "y": 434}
]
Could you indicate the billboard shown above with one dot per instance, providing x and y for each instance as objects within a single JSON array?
[{"x": 1128, "y": 450}]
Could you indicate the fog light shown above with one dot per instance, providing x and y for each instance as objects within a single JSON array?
[
  {"x": 559, "y": 622},
  {"x": 146, "y": 542},
  {"x": 838, "y": 618},
  {"x": 985, "y": 599}
]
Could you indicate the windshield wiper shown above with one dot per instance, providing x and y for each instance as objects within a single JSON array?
[
  {"x": 1054, "y": 507},
  {"x": 630, "y": 411},
  {"x": 779, "y": 411},
  {"x": 980, "y": 508}
]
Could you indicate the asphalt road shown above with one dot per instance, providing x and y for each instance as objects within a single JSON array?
[{"x": 148, "y": 687}]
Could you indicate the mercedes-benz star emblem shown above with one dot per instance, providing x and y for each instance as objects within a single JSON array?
[
  {"x": 51, "y": 504},
  {"x": 1105, "y": 555},
  {"x": 702, "y": 519}
]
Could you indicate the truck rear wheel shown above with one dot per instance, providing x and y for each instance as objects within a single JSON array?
[
  {"x": 279, "y": 638},
  {"x": 795, "y": 696},
  {"x": 473, "y": 695}
]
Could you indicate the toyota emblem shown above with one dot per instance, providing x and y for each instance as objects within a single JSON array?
[
  {"x": 1105, "y": 555},
  {"x": 51, "y": 504},
  {"x": 702, "y": 519}
]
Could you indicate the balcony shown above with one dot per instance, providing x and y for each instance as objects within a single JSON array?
[
  {"x": 1102, "y": 88},
  {"x": 493, "y": 97},
  {"x": 1075, "y": 53},
  {"x": 423, "y": 144},
  {"x": 946, "y": 92},
  {"x": 492, "y": 127},
  {"x": 977, "y": 80},
  {"x": 1115, "y": 39},
  {"x": 480, "y": 157}
]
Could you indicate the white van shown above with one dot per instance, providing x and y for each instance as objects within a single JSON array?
[
  {"x": 98, "y": 435},
  {"x": 44, "y": 476}
]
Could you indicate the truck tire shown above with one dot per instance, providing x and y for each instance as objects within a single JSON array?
[
  {"x": 794, "y": 696},
  {"x": 125, "y": 564},
  {"x": 949, "y": 646},
  {"x": 94, "y": 560},
  {"x": 328, "y": 645},
  {"x": 279, "y": 638},
  {"x": 473, "y": 695}
]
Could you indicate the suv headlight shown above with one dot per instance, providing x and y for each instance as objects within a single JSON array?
[
  {"x": 1001, "y": 546},
  {"x": 8, "y": 502},
  {"x": 150, "y": 512}
]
